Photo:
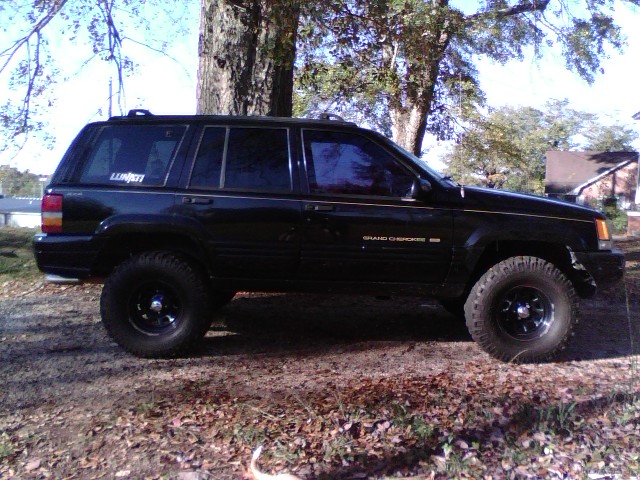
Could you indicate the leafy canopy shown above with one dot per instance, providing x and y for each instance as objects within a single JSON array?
[
  {"x": 414, "y": 61},
  {"x": 507, "y": 148}
]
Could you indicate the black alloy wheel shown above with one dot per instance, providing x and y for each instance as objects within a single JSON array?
[
  {"x": 525, "y": 313},
  {"x": 156, "y": 304}
]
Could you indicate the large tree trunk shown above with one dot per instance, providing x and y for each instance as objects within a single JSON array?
[
  {"x": 417, "y": 81},
  {"x": 408, "y": 126},
  {"x": 409, "y": 111},
  {"x": 246, "y": 56}
]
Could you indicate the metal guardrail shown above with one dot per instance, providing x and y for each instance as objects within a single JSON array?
[{"x": 20, "y": 219}]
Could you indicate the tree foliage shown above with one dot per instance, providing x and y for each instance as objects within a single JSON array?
[
  {"x": 507, "y": 148},
  {"x": 14, "y": 183},
  {"x": 414, "y": 60},
  {"x": 407, "y": 66},
  {"x": 99, "y": 29},
  {"x": 609, "y": 138}
]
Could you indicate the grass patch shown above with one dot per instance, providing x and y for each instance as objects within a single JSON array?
[{"x": 16, "y": 254}]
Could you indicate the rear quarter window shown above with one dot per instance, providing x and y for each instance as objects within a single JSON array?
[{"x": 131, "y": 155}]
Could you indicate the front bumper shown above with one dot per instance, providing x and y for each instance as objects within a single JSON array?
[{"x": 605, "y": 268}]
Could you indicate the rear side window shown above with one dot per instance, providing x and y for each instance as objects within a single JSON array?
[
  {"x": 252, "y": 159},
  {"x": 132, "y": 154}
]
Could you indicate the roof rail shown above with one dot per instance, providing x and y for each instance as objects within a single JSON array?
[
  {"x": 331, "y": 116},
  {"x": 139, "y": 112}
]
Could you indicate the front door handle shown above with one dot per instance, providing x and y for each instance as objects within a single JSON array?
[
  {"x": 311, "y": 207},
  {"x": 197, "y": 200}
]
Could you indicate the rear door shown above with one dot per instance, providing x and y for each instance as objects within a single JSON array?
[
  {"x": 360, "y": 224},
  {"x": 241, "y": 190}
]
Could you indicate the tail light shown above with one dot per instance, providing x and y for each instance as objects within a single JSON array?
[{"x": 51, "y": 213}]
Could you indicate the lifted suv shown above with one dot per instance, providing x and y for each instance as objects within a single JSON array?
[{"x": 178, "y": 213}]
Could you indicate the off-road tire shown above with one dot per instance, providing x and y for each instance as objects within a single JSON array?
[
  {"x": 514, "y": 296},
  {"x": 156, "y": 305}
]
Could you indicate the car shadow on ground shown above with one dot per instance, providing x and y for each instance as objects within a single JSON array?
[
  {"x": 606, "y": 330},
  {"x": 281, "y": 323},
  {"x": 277, "y": 323}
]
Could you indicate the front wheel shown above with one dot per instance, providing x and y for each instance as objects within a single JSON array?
[
  {"x": 522, "y": 310},
  {"x": 155, "y": 305}
]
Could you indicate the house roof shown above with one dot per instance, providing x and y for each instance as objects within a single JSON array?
[{"x": 567, "y": 171}]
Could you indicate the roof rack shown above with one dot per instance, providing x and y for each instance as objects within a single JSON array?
[
  {"x": 331, "y": 116},
  {"x": 139, "y": 112}
]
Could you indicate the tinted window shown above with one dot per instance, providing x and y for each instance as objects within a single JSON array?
[
  {"x": 132, "y": 154},
  {"x": 208, "y": 164},
  {"x": 352, "y": 164},
  {"x": 257, "y": 159}
]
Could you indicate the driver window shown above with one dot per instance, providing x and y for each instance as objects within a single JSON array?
[{"x": 344, "y": 163}]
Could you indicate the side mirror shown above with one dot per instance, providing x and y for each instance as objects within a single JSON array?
[{"x": 419, "y": 189}]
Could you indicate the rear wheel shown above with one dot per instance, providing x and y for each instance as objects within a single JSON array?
[
  {"x": 522, "y": 310},
  {"x": 155, "y": 305}
]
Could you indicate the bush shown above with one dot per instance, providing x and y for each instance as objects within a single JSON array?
[{"x": 617, "y": 216}]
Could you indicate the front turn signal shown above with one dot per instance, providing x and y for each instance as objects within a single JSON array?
[{"x": 604, "y": 234}]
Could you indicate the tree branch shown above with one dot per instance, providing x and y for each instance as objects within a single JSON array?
[
  {"x": 36, "y": 29},
  {"x": 526, "y": 6}
]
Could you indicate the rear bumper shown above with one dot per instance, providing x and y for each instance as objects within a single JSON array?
[
  {"x": 65, "y": 256},
  {"x": 606, "y": 268}
]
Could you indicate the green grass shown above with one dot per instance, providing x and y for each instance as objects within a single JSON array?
[{"x": 16, "y": 254}]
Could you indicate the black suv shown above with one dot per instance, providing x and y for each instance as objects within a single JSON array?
[{"x": 178, "y": 213}]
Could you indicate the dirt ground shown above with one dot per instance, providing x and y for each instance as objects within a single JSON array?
[{"x": 60, "y": 373}]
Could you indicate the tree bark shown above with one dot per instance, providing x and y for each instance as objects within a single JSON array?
[
  {"x": 409, "y": 110},
  {"x": 246, "y": 57}
]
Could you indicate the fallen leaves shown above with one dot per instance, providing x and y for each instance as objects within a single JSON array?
[
  {"x": 424, "y": 426},
  {"x": 462, "y": 417}
]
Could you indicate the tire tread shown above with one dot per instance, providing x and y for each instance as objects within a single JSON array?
[{"x": 479, "y": 326}]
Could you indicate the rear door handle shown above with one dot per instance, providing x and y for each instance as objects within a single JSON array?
[
  {"x": 319, "y": 208},
  {"x": 197, "y": 200}
]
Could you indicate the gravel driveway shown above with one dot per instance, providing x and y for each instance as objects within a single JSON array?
[
  {"x": 53, "y": 348},
  {"x": 61, "y": 374}
]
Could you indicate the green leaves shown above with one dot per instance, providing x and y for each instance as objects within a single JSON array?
[
  {"x": 506, "y": 148},
  {"x": 418, "y": 56}
]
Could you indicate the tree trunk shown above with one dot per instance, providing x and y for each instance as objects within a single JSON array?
[
  {"x": 409, "y": 112},
  {"x": 410, "y": 108},
  {"x": 408, "y": 125},
  {"x": 246, "y": 56}
]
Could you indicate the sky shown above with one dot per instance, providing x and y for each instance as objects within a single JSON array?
[{"x": 165, "y": 86}]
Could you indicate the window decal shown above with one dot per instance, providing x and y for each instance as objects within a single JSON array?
[{"x": 128, "y": 177}]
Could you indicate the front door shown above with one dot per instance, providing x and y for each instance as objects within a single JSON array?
[{"x": 360, "y": 224}]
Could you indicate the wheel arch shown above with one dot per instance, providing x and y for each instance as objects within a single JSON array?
[
  {"x": 480, "y": 259},
  {"x": 123, "y": 236}
]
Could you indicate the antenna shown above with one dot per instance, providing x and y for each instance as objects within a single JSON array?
[
  {"x": 110, "y": 96},
  {"x": 460, "y": 150}
]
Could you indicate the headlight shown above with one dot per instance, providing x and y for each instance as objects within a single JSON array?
[{"x": 604, "y": 234}]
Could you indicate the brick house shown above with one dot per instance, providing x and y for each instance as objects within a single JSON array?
[{"x": 591, "y": 177}]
